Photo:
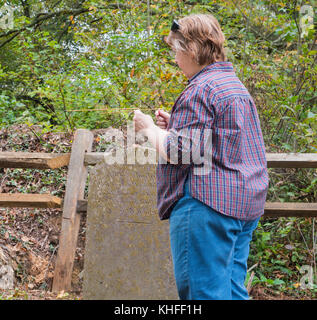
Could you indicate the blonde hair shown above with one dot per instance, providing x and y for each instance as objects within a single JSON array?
[{"x": 199, "y": 35}]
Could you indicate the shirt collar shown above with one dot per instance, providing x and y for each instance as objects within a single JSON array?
[{"x": 224, "y": 66}]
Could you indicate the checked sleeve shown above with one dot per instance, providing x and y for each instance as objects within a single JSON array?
[{"x": 189, "y": 140}]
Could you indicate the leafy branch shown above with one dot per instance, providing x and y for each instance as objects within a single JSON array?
[{"x": 39, "y": 19}]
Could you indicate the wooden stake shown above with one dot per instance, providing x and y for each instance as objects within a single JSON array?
[{"x": 75, "y": 187}]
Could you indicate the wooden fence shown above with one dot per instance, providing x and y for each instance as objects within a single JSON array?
[{"x": 74, "y": 203}]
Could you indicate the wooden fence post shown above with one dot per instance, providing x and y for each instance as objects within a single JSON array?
[{"x": 75, "y": 188}]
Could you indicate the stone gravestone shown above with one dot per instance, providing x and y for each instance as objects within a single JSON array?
[{"x": 127, "y": 254}]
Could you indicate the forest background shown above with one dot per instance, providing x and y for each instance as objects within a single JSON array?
[{"x": 68, "y": 64}]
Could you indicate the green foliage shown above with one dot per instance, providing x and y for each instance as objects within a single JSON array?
[
  {"x": 101, "y": 55},
  {"x": 278, "y": 251}
]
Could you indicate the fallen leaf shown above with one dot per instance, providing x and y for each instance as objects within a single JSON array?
[{"x": 62, "y": 295}]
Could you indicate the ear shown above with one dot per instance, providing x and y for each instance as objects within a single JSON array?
[
  {"x": 194, "y": 58},
  {"x": 193, "y": 54}
]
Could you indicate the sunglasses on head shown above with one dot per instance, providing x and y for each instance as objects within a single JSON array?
[{"x": 175, "y": 26}]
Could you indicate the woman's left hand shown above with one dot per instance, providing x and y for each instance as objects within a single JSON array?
[{"x": 142, "y": 121}]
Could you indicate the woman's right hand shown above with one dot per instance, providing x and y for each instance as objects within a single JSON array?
[{"x": 162, "y": 118}]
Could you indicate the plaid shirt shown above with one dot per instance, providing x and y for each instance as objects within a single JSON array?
[{"x": 236, "y": 185}]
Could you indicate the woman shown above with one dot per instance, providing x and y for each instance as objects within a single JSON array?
[{"x": 212, "y": 215}]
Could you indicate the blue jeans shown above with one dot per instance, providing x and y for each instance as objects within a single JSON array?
[{"x": 209, "y": 251}]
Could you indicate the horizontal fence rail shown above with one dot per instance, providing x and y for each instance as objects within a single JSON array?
[
  {"x": 33, "y": 160},
  {"x": 271, "y": 209},
  {"x": 291, "y": 160},
  {"x": 20, "y": 200},
  {"x": 53, "y": 161},
  {"x": 274, "y": 160}
]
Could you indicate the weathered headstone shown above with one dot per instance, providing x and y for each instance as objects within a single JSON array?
[{"x": 127, "y": 253}]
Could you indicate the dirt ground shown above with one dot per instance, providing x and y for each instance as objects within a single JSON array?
[{"x": 31, "y": 237}]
